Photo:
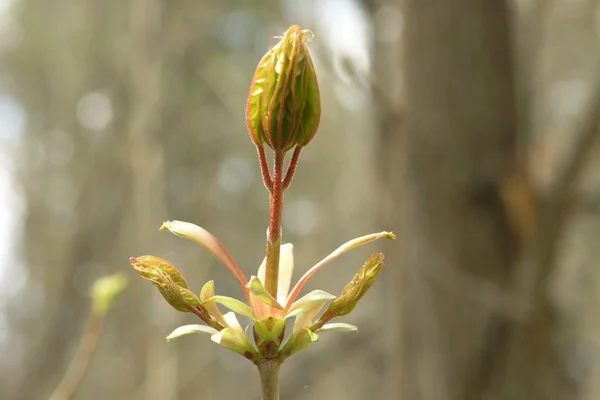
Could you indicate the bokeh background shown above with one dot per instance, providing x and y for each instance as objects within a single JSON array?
[{"x": 468, "y": 128}]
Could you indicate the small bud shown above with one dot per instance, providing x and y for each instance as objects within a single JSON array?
[
  {"x": 169, "y": 281},
  {"x": 147, "y": 266},
  {"x": 269, "y": 329},
  {"x": 284, "y": 105},
  {"x": 105, "y": 292},
  {"x": 355, "y": 290}
]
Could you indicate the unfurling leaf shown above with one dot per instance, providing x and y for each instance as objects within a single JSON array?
[
  {"x": 147, "y": 266},
  {"x": 355, "y": 290},
  {"x": 169, "y": 281}
]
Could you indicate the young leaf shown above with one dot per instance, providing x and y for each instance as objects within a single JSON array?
[
  {"x": 233, "y": 304},
  {"x": 208, "y": 241},
  {"x": 337, "y": 327},
  {"x": 189, "y": 329}
]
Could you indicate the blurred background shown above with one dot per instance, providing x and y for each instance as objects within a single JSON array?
[{"x": 469, "y": 128}]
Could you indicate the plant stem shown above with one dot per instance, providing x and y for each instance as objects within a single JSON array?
[
  {"x": 81, "y": 360},
  {"x": 203, "y": 314},
  {"x": 274, "y": 232},
  {"x": 269, "y": 379},
  {"x": 264, "y": 168},
  {"x": 292, "y": 167}
]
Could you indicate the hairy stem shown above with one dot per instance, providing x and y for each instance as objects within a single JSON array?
[
  {"x": 274, "y": 232},
  {"x": 264, "y": 168},
  {"x": 269, "y": 379},
  {"x": 292, "y": 167}
]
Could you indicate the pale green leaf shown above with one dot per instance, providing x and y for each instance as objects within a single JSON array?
[
  {"x": 189, "y": 329},
  {"x": 232, "y": 321},
  {"x": 207, "y": 292},
  {"x": 256, "y": 288},
  {"x": 298, "y": 341},
  {"x": 335, "y": 254},
  {"x": 286, "y": 270},
  {"x": 233, "y": 304},
  {"x": 234, "y": 340},
  {"x": 210, "y": 242},
  {"x": 308, "y": 302},
  {"x": 305, "y": 318},
  {"x": 337, "y": 327}
]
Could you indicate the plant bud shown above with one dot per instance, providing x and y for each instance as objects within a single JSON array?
[
  {"x": 169, "y": 281},
  {"x": 355, "y": 290},
  {"x": 106, "y": 290},
  {"x": 284, "y": 105}
]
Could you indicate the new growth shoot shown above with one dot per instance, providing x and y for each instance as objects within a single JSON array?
[{"x": 282, "y": 113}]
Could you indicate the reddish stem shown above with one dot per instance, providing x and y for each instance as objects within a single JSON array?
[
  {"x": 274, "y": 232},
  {"x": 203, "y": 314},
  {"x": 264, "y": 168},
  {"x": 289, "y": 175}
]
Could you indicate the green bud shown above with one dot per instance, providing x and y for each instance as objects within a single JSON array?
[
  {"x": 269, "y": 330},
  {"x": 147, "y": 266},
  {"x": 284, "y": 104},
  {"x": 105, "y": 292},
  {"x": 355, "y": 290},
  {"x": 169, "y": 281}
]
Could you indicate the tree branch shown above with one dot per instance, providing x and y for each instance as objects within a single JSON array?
[{"x": 537, "y": 263}]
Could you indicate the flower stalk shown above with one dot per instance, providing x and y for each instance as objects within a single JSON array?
[{"x": 274, "y": 232}]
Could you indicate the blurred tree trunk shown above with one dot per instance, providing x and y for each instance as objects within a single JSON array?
[
  {"x": 385, "y": 79},
  {"x": 459, "y": 340}
]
